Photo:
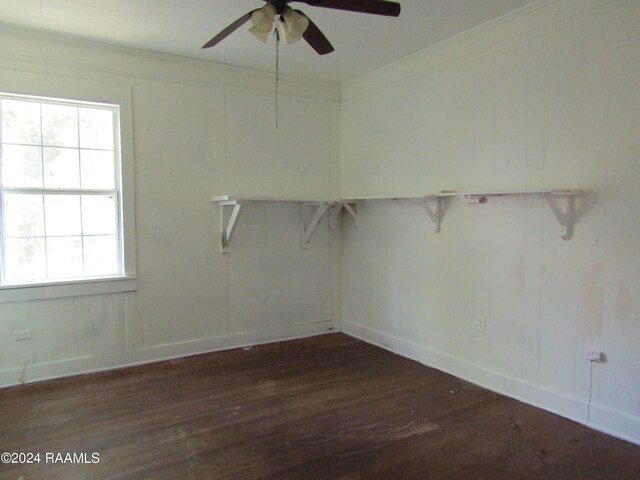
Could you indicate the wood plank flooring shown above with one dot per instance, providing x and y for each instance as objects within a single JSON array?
[{"x": 328, "y": 407}]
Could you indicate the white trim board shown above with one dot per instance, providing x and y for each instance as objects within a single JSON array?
[
  {"x": 534, "y": 19},
  {"x": 32, "y": 51},
  {"x": 614, "y": 423},
  {"x": 79, "y": 366},
  {"x": 256, "y": 198}
]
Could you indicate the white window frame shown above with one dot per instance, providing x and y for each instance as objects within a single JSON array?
[{"x": 81, "y": 90}]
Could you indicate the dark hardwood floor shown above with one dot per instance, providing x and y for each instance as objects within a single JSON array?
[{"x": 324, "y": 407}]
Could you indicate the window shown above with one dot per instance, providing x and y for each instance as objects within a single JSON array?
[{"x": 60, "y": 191}]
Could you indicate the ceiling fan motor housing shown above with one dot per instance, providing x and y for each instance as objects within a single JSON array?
[{"x": 279, "y": 4}]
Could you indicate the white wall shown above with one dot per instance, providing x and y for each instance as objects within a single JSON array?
[
  {"x": 547, "y": 98},
  {"x": 199, "y": 130}
]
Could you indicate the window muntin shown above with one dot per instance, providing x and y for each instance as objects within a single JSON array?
[{"x": 60, "y": 192}]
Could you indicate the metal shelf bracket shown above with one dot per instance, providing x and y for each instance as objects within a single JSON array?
[
  {"x": 227, "y": 227},
  {"x": 308, "y": 228},
  {"x": 351, "y": 207},
  {"x": 565, "y": 216},
  {"x": 433, "y": 207}
]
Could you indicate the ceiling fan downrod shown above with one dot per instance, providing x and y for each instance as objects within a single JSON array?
[{"x": 276, "y": 33}]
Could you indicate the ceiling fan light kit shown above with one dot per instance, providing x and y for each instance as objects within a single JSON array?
[
  {"x": 262, "y": 36},
  {"x": 286, "y": 36},
  {"x": 293, "y": 24},
  {"x": 262, "y": 19}
]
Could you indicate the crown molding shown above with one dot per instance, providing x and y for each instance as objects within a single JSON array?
[
  {"x": 514, "y": 27},
  {"x": 33, "y": 51}
]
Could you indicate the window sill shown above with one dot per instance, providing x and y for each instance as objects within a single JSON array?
[{"x": 73, "y": 288}]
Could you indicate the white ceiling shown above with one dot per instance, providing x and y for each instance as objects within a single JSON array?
[{"x": 362, "y": 42}]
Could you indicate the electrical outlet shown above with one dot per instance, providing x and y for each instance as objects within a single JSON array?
[
  {"x": 386, "y": 342},
  {"x": 480, "y": 324},
  {"x": 595, "y": 357},
  {"x": 21, "y": 335}
]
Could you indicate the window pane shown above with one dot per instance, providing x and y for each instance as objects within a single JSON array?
[
  {"x": 58, "y": 145},
  {"x": 61, "y": 168},
  {"x": 101, "y": 255},
  {"x": 96, "y": 128},
  {"x": 99, "y": 215},
  {"x": 64, "y": 257},
  {"x": 21, "y": 166},
  {"x": 62, "y": 215},
  {"x": 24, "y": 259},
  {"x": 23, "y": 215},
  {"x": 98, "y": 169},
  {"x": 20, "y": 122},
  {"x": 59, "y": 125}
]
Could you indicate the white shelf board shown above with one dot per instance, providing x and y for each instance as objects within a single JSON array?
[
  {"x": 558, "y": 193},
  {"x": 248, "y": 199},
  {"x": 443, "y": 194},
  {"x": 396, "y": 197},
  {"x": 447, "y": 194}
]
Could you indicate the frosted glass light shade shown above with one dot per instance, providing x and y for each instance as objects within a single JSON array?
[
  {"x": 296, "y": 24},
  {"x": 286, "y": 36},
  {"x": 262, "y": 19},
  {"x": 262, "y": 36}
]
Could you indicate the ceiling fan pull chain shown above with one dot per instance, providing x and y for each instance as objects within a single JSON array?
[{"x": 277, "y": 35}]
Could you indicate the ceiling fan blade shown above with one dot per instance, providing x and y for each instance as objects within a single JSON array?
[
  {"x": 316, "y": 38},
  {"x": 229, "y": 30},
  {"x": 375, "y": 7}
]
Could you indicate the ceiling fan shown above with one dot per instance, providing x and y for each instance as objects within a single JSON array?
[{"x": 293, "y": 24}]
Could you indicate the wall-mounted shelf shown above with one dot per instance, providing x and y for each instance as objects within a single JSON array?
[
  {"x": 244, "y": 199},
  {"x": 431, "y": 203},
  {"x": 560, "y": 201},
  {"x": 308, "y": 225}
]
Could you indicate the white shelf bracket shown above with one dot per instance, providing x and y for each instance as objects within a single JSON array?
[
  {"x": 433, "y": 207},
  {"x": 353, "y": 209},
  {"x": 334, "y": 214},
  {"x": 226, "y": 228},
  {"x": 309, "y": 228},
  {"x": 564, "y": 216}
]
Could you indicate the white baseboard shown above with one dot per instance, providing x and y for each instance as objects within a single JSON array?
[
  {"x": 597, "y": 417},
  {"x": 615, "y": 423},
  {"x": 77, "y": 366}
]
